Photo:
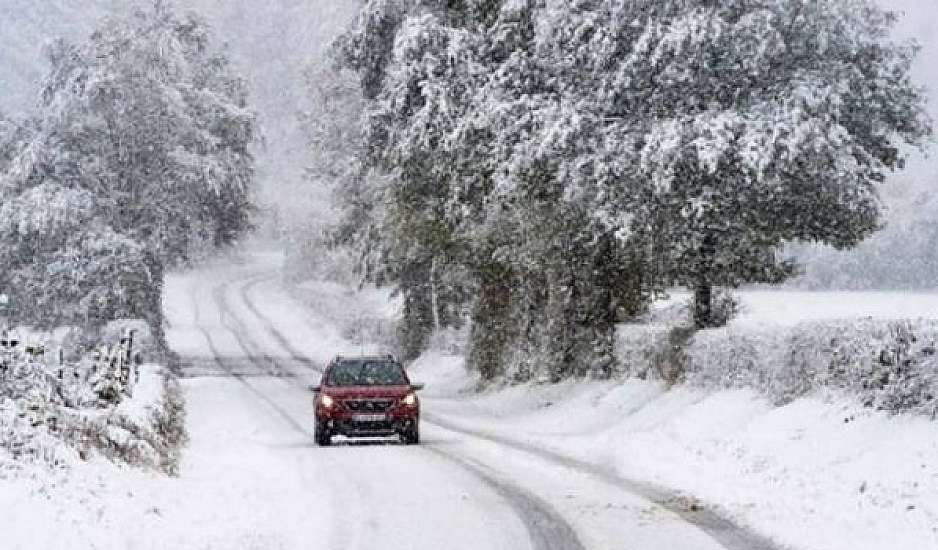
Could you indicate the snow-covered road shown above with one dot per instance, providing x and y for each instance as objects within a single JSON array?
[{"x": 249, "y": 353}]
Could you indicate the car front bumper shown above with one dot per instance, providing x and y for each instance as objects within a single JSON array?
[{"x": 356, "y": 428}]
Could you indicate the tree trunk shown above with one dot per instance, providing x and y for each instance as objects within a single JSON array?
[
  {"x": 491, "y": 331},
  {"x": 703, "y": 304},
  {"x": 416, "y": 326},
  {"x": 434, "y": 296},
  {"x": 703, "y": 291}
]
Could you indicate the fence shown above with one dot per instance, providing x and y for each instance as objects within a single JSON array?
[{"x": 34, "y": 380}]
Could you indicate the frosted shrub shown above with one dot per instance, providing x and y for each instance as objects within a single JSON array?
[
  {"x": 53, "y": 410},
  {"x": 641, "y": 349},
  {"x": 888, "y": 365},
  {"x": 23, "y": 440},
  {"x": 893, "y": 368},
  {"x": 726, "y": 358},
  {"x": 725, "y": 306}
]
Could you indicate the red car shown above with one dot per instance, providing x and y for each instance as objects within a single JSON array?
[{"x": 365, "y": 397}]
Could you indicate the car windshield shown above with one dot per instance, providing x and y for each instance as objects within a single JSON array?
[{"x": 366, "y": 373}]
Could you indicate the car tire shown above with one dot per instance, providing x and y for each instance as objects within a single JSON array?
[
  {"x": 411, "y": 436},
  {"x": 322, "y": 436}
]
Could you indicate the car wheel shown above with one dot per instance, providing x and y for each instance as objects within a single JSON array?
[
  {"x": 412, "y": 436},
  {"x": 322, "y": 436}
]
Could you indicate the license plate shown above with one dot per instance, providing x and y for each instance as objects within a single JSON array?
[{"x": 369, "y": 417}]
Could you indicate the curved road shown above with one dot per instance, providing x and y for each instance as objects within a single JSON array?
[{"x": 247, "y": 346}]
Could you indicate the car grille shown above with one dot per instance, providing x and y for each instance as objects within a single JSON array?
[{"x": 369, "y": 405}]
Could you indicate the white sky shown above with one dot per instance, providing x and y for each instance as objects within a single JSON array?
[{"x": 920, "y": 22}]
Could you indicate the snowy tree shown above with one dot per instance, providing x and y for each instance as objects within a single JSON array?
[
  {"x": 444, "y": 127},
  {"x": 555, "y": 146},
  {"x": 11, "y": 136},
  {"x": 154, "y": 120},
  {"x": 410, "y": 245},
  {"x": 65, "y": 265},
  {"x": 752, "y": 124},
  {"x": 139, "y": 155},
  {"x": 713, "y": 132}
]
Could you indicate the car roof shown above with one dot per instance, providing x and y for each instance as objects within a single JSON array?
[{"x": 385, "y": 357}]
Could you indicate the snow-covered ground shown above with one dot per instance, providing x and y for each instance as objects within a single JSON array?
[
  {"x": 542, "y": 492},
  {"x": 852, "y": 475},
  {"x": 624, "y": 464},
  {"x": 87, "y": 501},
  {"x": 813, "y": 474},
  {"x": 821, "y": 472}
]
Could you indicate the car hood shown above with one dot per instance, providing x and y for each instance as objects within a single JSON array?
[{"x": 365, "y": 392}]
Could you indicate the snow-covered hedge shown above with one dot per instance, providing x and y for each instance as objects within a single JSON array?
[
  {"x": 146, "y": 429},
  {"x": 888, "y": 365},
  {"x": 643, "y": 350},
  {"x": 144, "y": 343},
  {"x": 63, "y": 400}
]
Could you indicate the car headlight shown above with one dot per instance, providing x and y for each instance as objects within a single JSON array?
[
  {"x": 410, "y": 399},
  {"x": 326, "y": 401}
]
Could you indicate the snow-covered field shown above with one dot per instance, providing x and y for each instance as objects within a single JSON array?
[
  {"x": 583, "y": 464},
  {"x": 789, "y": 307}
]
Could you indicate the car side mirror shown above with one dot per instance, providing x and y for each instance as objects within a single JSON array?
[
  {"x": 416, "y": 387},
  {"x": 314, "y": 389}
]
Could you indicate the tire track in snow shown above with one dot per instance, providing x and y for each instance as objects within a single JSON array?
[
  {"x": 721, "y": 529},
  {"x": 546, "y": 528},
  {"x": 243, "y": 292},
  {"x": 219, "y": 360},
  {"x": 233, "y": 324},
  {"x": 349, "y": 537},
  {"x": 217, "y": 357},
  {"x": 340, "y": 538}
]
